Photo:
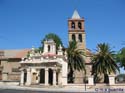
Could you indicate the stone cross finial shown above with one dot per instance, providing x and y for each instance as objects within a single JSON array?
[
  {"x": 60, "y": 52},
  {"x": 32, "y": 48},
  {"x": 32, "y": 53},
  {"x": 60, "y": 47}
]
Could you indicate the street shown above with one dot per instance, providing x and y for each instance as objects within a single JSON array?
[{"x": 29, "y": 91}]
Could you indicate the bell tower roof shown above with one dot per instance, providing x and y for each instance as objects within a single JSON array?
[{"x": 75, "y": 15}]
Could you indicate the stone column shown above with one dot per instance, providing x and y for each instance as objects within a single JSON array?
[
  {"x": 38, "y": 76},
  {"x": 77, "y": 38},
  {"x": 22, "y": 78},
  {"x": 111, "y": 79},
  {"x": 46, "y": 76},
  {"x": 90, "y": 80},
  {"x": 76, "y": 25},
  {"x": 60, "y": 78},
  {"x": 54, "y": 77},
  {"x": 28, "y": 81}
]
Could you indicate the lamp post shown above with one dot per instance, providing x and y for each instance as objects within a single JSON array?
[{"x": 85, "y": 80}]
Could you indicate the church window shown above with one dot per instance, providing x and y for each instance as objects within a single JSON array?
[
  {"x": 80, "y": 38},
  {"x": 73, "y": 37},
  {"x": 79, "y": 25},
  {"x": 73, "y": 25},
  {"x": 48, "y": 48}
]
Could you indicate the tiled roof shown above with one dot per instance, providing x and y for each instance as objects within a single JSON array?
[
  {"x": 16, "y": 53},
  {"x": 22, "y": 53}
]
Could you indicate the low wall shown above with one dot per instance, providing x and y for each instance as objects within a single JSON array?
[{"x": 9, "y": 82}]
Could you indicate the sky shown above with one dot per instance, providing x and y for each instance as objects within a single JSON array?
[{"x": 24, "y": 23}]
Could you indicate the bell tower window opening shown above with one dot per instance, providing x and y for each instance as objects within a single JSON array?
[
  {"x": 73, "y": 25},
  {"x": 80, "y": 38},
  {"x": 79, "y": 25},
  {"x": 48, "y": 48},
  {"x": 73, "y": 37}
]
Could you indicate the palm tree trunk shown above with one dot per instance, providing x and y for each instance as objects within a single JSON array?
[
  {"x": 106, "y": 78},
  {"x": 72, "y": 78}
]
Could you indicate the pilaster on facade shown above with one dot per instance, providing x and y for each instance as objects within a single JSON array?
[
  {"x": 46, "y": 77},
  {"x": 90, "y": 80},
  {"x": 22, "y": 78},
  {"x": 29, "y": 76},
  {"x": 112, "y": 79},
  {"x": 54, "y": 77},
  {"x": 60, "y": 77}
]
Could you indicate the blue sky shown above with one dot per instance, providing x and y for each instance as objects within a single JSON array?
[{"x": 23, "y": 23}]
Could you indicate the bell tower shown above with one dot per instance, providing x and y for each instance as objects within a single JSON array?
[{"x": 76, "y": 30}]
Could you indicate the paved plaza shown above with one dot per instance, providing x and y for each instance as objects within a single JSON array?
[
  {"x": 29, "y": 91},
  {"x": 24, "y": 89}
]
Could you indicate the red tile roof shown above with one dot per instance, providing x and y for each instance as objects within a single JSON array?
[
  {"x": 16, "y": 53},
  {"x": 22, "y": 53}
]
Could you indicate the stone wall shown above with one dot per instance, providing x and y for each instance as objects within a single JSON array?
[
  {"x": 11, "y": 83},
  {"x": 14, "y": 76}
]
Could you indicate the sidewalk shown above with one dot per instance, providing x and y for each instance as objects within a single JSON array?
[{"x": 49, "y": 89}]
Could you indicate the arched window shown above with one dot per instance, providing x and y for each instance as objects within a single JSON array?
[
  {"x": 73, "y": 37},
  {"x": 79, "y": 25},
  {"x": 48, "y": 48},
  {"x": 73, "y": 25},
  {"x": 80, "y": 37}
]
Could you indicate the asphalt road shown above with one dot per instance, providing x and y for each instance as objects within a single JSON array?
[{"x": 28, "y": 91}]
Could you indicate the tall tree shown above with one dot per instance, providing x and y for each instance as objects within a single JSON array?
[
  {"x": 54, "y": 37},
  {"x": 104, "y": 62},
  {"x": 121, "y": 57},
  {"x": 75, "y": 60}
]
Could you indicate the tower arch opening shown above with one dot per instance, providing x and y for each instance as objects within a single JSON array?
[
  {"x": 48, "y": 48},
  {"x": 80, "y": 37},
  {"x": 73, "y": 25},
  {"x": 79, "y": 25},
  {"x": 73, "y": 37}
]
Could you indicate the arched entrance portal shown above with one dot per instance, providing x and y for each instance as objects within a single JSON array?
[
  {"x": 42, "y": 76},
  {"x": 25, "y": 76},
  {"x": 50, "y": 76}
]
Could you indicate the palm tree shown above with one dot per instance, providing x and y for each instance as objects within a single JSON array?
[
  {"x": 75, "y": 60},
  {"x": 104, "y": 62},
  {"x": 121, "y": 57}
]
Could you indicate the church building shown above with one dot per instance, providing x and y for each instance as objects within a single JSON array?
[
  {"x": 46, "y": 68},
  {"x": 49, "y": 67}
]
